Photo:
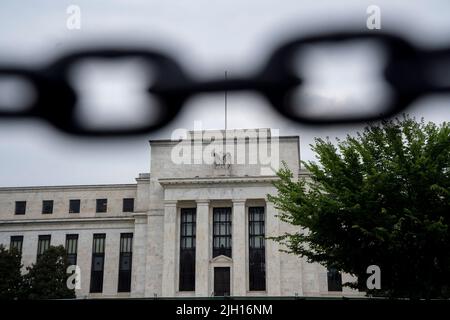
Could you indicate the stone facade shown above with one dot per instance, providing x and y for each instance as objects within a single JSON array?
[{"x": 155, "y": 224}]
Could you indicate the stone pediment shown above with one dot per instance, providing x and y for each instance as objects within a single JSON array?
[{"x": 221, "y": 259}]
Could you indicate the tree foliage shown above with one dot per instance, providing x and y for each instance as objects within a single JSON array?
[
  {"x": 46, "y": 279},
  {"x": 10, "y": 275},
  {"x": 380, "y": 198}
]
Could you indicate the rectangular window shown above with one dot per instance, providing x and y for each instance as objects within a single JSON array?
[
  {"x": 125, "y": 260},
  {"x": 20, "y": 207},
  {"x": 128, "y": 205},
  {"x": 222, "y": 232},
  {"x": 16, "y": 243},
  {"x": 72, "y": 248},
  {"x": 102, "y": 205},
  {"x": 47, "y": 206},
  {"x": 74, "y": 206},
  {"x": 334, "y": 279},
  {"x": 98, "y": 261},
  {"x": 187, "y": 249},
  {"x": 257, "y": 249},
  {"x": 43, "y": 244}
]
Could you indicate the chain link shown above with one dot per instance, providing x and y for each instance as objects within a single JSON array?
[{"x": 410, "y": 71}]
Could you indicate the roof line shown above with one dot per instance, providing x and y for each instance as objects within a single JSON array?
[
  {"x": 179, "y": 140},
  {"x": 66, "y": 187}
]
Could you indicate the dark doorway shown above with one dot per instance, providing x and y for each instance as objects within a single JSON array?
[
  {"x": 222, "y": 281},
  {"x": 334, "y": 280}
]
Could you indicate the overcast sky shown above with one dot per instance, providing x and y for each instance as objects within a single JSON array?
[{"x": 208, "y": 37}]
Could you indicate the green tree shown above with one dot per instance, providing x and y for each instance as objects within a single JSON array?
[
  {"x": 10, "y": 275},
  {"x": 379, "y": 198},
  {"x": 46, "y": 279}
]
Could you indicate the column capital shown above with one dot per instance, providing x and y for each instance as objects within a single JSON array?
[
  {"x": 203, "y": 202},
  {"x": 238, "y": 201},
  {"x": 170, "y": 203}
]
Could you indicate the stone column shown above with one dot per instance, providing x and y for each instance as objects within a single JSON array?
[
  {"x": 169, "y": 249},
  {"x": 139, "y": 255},
  {"x": 154, "y": 253},
  {"x": 202, "y": 249},
  {"x": 239, "y": 281},
  {"x": 111, "y": 267},
  {"x": 273, "y": 271}
]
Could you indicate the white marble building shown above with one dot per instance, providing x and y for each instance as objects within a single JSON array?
[{"x": 184, "y": 229}]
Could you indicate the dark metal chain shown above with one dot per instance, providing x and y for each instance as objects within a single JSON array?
[{"x": 410, "y": 72}]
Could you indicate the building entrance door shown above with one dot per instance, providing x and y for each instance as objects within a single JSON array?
[{"x": 222, "y": 281}]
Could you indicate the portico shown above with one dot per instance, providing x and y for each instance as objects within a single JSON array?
[{"x": 238, "y": 195}]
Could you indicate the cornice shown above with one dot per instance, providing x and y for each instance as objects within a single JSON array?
[
  {"x": 67, "y": 220},
  {"x": 67, "y": 187},
  {"x": 217, "y": 180}
]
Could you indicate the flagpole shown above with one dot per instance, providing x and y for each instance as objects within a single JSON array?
[{"x": 225, "y": 103}]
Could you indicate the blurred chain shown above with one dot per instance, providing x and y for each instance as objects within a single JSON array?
[{"x": 410, "y": 71}]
